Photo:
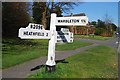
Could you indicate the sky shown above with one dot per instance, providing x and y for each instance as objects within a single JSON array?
[
  {"x": 97, "y": 10},
  {"x": 94, "y": 9}
]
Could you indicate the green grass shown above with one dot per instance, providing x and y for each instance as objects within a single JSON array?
[
  {"x": 97, "y": 62},
  {"x": 18, "y": 51},
  {"x": 71, "y": 46},
  {"x": 92, "y": 37},
  {"x": 15, "y": 51}
]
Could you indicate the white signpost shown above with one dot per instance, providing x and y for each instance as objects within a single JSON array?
[
  {"x": 36, "y": 31},
  {"x": 67, "y": 21},
  {"x": 34, "y": 34}
]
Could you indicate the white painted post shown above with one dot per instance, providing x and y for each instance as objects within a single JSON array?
[{"x": 50, "y": 64}]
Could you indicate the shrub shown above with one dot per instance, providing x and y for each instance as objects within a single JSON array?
[{"x": 99, "y": 31}]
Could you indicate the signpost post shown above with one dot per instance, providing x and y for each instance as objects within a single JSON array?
[
  {"x": 50, "y": 64},
  {"x": 36, "y": 31}
]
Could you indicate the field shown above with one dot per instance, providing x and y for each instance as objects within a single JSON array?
[{"x": 97, "y": 62}]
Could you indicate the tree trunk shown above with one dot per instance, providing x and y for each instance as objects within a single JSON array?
[{"x": 44, "y": 20}]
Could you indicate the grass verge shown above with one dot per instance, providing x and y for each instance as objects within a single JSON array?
[
  {"x": 15, "y": 51},
  {"x": 92, "y": 37},
  {"x": 97, "y": 62},
  {"x": 71, "y": 46},
  {"x": 18, "y": 51}
]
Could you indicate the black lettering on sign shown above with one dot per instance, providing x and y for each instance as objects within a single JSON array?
[
  {"x": 40, "y": 34},
  {"x": 58, "y": 36},
  {"x": 38, "y": 27},
  {"x": 25, "y": 33},
  {"x": 69, "y": 21},
  {"x": 34, "y": 33},
  {"x": 41, "y": 27},
  {"x": 46, "y": 34},
  {"x": 59, "y": 21},
  {"x": 30, "y": 33},
  {"x": 35, "y": 26},
  {"x": 31, "y": 26}
]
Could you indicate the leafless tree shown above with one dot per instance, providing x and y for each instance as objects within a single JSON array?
[{"x": 108, "y": 20}]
